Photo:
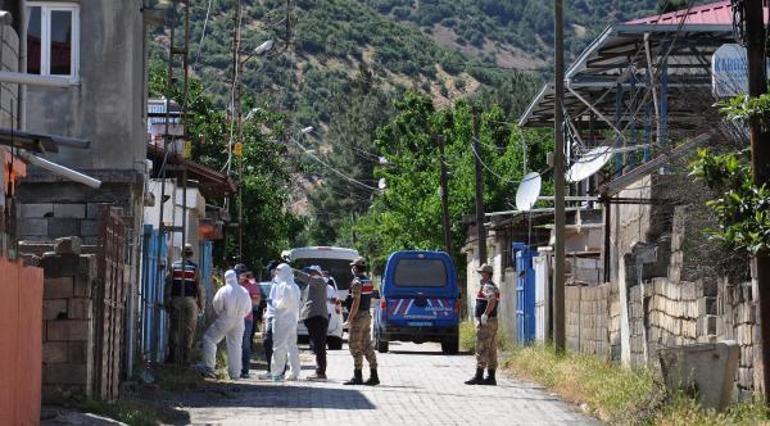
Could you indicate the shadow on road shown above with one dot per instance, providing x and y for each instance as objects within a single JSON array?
[{"x": 255, "y": 395}]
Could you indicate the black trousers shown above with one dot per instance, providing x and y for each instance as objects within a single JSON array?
[
  {"x": 316, "y": 328},
  {"x": 267, "y": 342}
]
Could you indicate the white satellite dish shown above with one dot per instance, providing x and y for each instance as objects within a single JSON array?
[
  {"x": 529, "y": 190},
  {"x": 590, "y": 163}
]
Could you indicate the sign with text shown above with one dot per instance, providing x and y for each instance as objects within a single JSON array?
[{"x": 729, "y": 71}]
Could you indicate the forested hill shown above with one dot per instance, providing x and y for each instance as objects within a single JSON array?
[
  {"x": 497, "y": 27},
  {"x": 447, "y": 48}
]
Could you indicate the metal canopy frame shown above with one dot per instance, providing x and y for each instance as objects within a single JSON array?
[{"x": 616, "y": 60}]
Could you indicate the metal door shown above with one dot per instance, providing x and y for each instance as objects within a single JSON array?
[
  {"x": 525, "y": 293},
  {"x": 541, "y": 298},
  {"x": 206, "y": 268},
  {"x": 154, "y": 252}
]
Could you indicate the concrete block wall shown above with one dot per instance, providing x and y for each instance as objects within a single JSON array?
[
  {"x": 589, "y": 319},
  {"x": 737, "y": 320},
  {"x": 506, "y": 311},
  {"x": 672, "y": 312},
  {"x": 47, "y": 221},
  {"x": 68, "y": 321}
]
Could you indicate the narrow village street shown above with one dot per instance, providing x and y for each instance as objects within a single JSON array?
[{"x": 420, "y": 386}]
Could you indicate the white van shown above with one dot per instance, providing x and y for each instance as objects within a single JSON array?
[{"x": 337, "y": 261}]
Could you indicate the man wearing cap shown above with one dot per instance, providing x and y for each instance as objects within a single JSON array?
[
  {"x": 487, "y": 299},
  {"x": 360, "y": 321},
  {"x": 184, "y": 296},
  {"x": 314, "y": 315}
]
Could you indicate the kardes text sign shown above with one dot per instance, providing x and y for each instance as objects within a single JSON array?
[{"x": 729, "y": 71}]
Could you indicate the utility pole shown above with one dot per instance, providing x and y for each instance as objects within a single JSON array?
[
  {"x": 753, "y": 14},
  {"x": 444, "y": 196},
  {"x": 480, "y": 217},
  {"x": 236, "y": 115},
  {"x": 559, "y": 320}
]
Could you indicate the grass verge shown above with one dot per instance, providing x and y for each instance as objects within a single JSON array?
[
  {"x": 468, "y": 338},
  {"x": 133, "y": 413},
  {"x": 619, "y": 395}
]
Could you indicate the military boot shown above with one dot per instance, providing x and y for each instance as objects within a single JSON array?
[
  {"x": 374, "y": 380},
  {"x": 358, "y": 378},
  {"x": 490, "y": 380},
  {"x": 478, "y": 379}
]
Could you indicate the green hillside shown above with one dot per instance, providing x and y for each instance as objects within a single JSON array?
[{"x": 522, "y": 24}]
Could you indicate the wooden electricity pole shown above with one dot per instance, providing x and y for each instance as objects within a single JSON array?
[
  {"x": 236, "y": 116},
  {"x": 559, "y": 321},
  {"x": 444, "y": 197},
  {"x": 480, "y": 216},
  {"x": 755, "y": 38}
]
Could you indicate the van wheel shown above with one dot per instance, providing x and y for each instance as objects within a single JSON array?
[
  {"x": 450, "y": 345},
  {"x": 334, "y": 343},
  {"x": 382, "y": 345}
]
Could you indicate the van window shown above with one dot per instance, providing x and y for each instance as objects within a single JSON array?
[
  {"x": 420, "y": 273},
  {"x": 338, "y": 268}
]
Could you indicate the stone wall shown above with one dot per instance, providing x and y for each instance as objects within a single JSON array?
[{"x": 68, "y": 321}]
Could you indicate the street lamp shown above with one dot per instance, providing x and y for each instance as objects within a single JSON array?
[{"x": 260, "y": 50}]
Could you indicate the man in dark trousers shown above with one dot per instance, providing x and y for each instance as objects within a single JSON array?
[
  {"x": 267, "y": 327},
  {"x": 314, "y": 314}
]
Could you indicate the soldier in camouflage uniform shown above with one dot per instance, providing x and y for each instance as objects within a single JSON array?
[
  {"x": 360, "y": 320},
  {"x": 184, "y": 296},
  {"x": 487, "y": 299}
]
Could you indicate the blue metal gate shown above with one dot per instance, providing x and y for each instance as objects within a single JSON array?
[
  {"x": 525, "y": 293},
  {"x": 206, "y": 268},
  {"x": 154, "y": 317}
]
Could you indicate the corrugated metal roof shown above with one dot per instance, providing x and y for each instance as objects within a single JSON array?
[{"x": 719, "y": 13}]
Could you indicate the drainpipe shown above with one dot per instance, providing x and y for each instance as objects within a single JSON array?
[{"x": 21, "y": 110}]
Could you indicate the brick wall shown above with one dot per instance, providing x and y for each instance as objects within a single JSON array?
[{"x": 68, "y": 321}]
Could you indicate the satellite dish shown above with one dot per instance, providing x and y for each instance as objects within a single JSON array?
[
  {"x": 529, "y": 190},
  {"x": 590, "y": 163},
  {"x": 382, "y": 184}
]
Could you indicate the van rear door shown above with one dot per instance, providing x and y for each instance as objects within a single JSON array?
[{"x": 420, "y": 290}]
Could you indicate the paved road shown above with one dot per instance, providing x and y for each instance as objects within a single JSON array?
[{"x": 420, "y": 386}]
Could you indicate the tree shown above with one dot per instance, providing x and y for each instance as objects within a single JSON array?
[
  {"x": 407, "y": 214},
  {"x": 269, "y": 226}
]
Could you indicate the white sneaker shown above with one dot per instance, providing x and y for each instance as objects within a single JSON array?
[
  {"x": 266, "y": 376},
  {"x": 293, "y": 378}
]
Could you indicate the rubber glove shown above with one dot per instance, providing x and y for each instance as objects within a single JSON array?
[{"x": 484, "y": 319}]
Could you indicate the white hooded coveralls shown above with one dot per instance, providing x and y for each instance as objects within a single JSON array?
[
  {"x": 231, "y": 304},
  {"x": 286, "y": 304}
]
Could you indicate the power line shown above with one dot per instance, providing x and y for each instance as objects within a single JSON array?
[
  {"x": 203, "y": 34},
  {"x": 327, "y": 165}
]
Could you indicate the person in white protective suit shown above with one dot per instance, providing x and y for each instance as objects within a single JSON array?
[
  {"x": 231, "y": 304},
  {"x": 286, "y": 301}
]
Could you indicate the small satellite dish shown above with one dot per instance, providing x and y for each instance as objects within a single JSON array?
[
  {"x": 529, "y": 190},
  {"x": 382, "y": 184},
  {"x": 590, "y": 163}
]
